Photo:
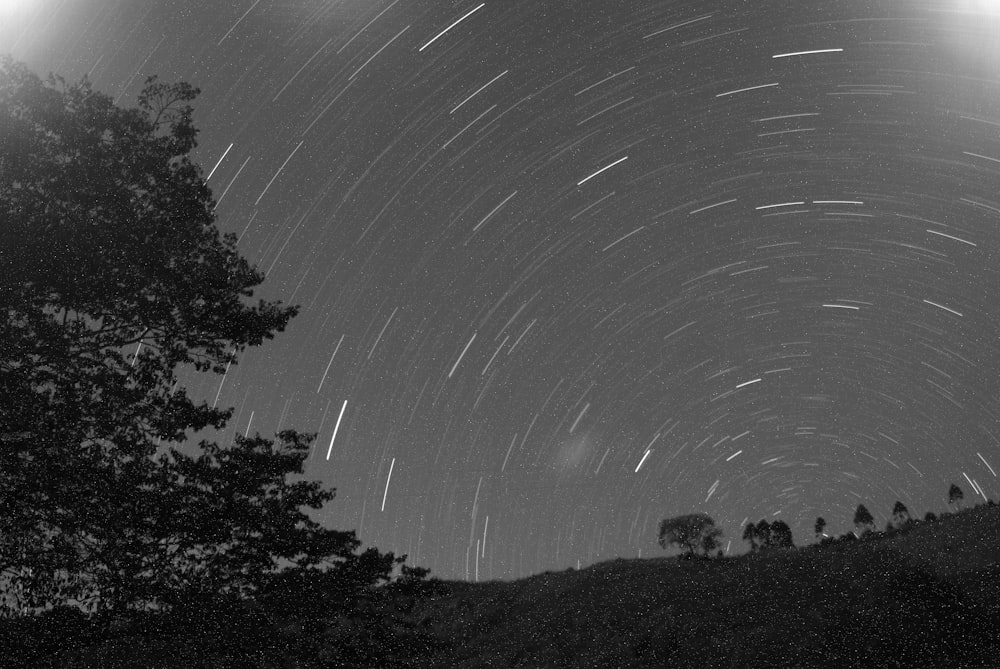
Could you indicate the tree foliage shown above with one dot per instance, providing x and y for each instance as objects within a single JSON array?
[
  {"x": 750, "y": 536},
  {"x": 863, "y": 519},
  {"x": 113, "y": 276},
  {"x": 820, "y": 527},
  {"x": 900, "y": 516},
  {"x": 955, "y": 495},
  {"x": 695, "y": 532}
]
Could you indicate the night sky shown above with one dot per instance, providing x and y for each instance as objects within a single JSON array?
[{"x": 568, "y": 268}]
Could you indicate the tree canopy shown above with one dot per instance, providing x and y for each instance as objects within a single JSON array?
[
  {"x": 955, "y": 495},
  {"x": 695, "y": 532},
  {"x": 113, "y": 276},
  {"x": 863, "y": 518}
]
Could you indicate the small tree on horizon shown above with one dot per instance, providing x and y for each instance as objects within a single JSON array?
[
  {"x": 763, "y": 533},
  {"x": 781, "y": 535},
  {"x": 691, "y": 532},
  {"x": 750, "y": 535},
  {"x": 820, "y": 527},
  {"x": 863, "y": 519},
  {"x": 955, "y": 495},
  {"x": 900, "y": 516}
]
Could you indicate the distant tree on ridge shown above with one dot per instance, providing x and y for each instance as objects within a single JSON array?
[
  {"x": 820, "y": 527},
  {"x": 863, "y": 519},
  {"x": 955, "y": 495},
  {"x": 691, "y": 532}
]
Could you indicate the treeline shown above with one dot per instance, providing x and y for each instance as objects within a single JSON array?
[{"x": 698, "y": 536}]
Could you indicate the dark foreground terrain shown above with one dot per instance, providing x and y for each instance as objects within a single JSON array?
[{"x": 926, "y": 597}]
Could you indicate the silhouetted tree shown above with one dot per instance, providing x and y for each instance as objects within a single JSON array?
[
  {"x": 820, "y": 527},
  {"x": 900, "y": 516},
  {"x": 863, "y": 519},
  {"x": 689, "y": 532},
  {"x": 763, "y": 533},
  {"x": 955, "y": 495},
  {"x": 112, "y": 275},
  {"x": 930, "y": 517},
  {"x": 750, "y": 535},
  {"x": 781, "y": 535}
]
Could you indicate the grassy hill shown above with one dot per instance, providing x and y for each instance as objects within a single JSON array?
[{"x": 926, "y": 597}]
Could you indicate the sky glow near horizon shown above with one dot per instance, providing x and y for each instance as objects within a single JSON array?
[{"x": 567, "y": 269}]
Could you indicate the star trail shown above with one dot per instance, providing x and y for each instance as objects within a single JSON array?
[{"x": 567, "y": 269}]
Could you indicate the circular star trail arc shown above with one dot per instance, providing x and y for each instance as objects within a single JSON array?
[{"x": 567, "y": 269}]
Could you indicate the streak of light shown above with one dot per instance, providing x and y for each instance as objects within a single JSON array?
[
  {"x": 217, "y": 202},
  {"x": 841, "y": 306},
  {"x": 521, "y": 337},
  {"x": 379, "y": 338},
  {"x": 249, "y": 423},
  {"x": 255, "y": 3},
  {"x": 579, "y": 417},
  {"x": 337, "y": 348},
  {"x": 465, "y": 16},
  {"x": 299, "y": 71},
  {"x": 601, "y": 463},
  {"x": 767, "y": 462},
  {"x": 779, "y": 118},
  {"x": 221, "y": 383},
  {"x": 495, "y": 209},
  {"x": 372, "y": 57},
  {"x": 484, "y": 534},
  {"x": 608, "y": 78},
  {"x": 509, "y": 449},
  {"x": 477, "y": 560},
  {"x": 784, "y": 132},
  {"x": 606, "y": 167},
  {"x": 683, "y": 327},
  {"x": 287, "y": 239},
  {"x": 677, "y": 25},
  {"x": 467, "y": 126},
  {"x": 483, "y": 373},
  {"x": 957, "y": 239},
  {"x": 976, "y": 155},
  {"x": 805, "y": 53},
  {"x": 915, "y": 469},
  {"x": 620, "y": 239},
  {"x": 608, "y": 108},
  {"x": 478, "y": 91},
  {"x": 837, "y": 202},
  {"x": 747, "y": 383},
  {"x": 366, "y": 26},
  {"x": 644, "y": 456},
  {"x": 733, "y": 455},
  {"x": 711, "y": 206},
  {"x": 987, "y": 464},
  {"x": 335, "y": 429},
  {"x": 782, "y": 204},
  {"x": 711, "y": 491},
  {"x": 219, "y": 163},
  {"x": 388, "y": 478},
  {"x": 259, "y": 197},
  {"x": 744, "y": 90},
  {"x": 941, "y": 306},
  {"x": 461, "y": 355},
  {"x": 975, "y": 487},
  {"x": 329, "y": 104},
  {"x": 752, "y": 269}
]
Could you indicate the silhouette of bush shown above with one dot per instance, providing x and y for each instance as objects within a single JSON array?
[{"x": 930, "y": 517}]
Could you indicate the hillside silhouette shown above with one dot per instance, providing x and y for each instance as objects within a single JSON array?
[
  {"x": 928, "y": 596},
  {"x": 925, "y": 597}
]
